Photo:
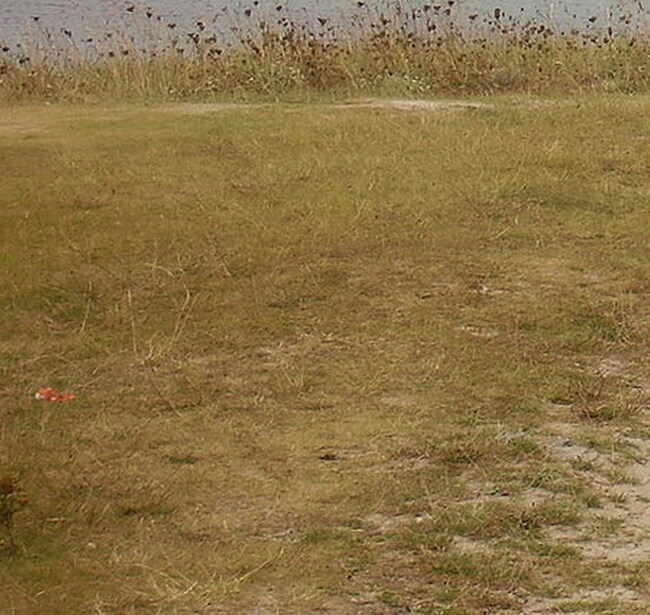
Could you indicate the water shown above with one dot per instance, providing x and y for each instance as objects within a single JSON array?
[{"x": 79, "y": 20}]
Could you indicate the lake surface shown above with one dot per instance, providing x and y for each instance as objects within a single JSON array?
[{"x": 28, "y": 20}]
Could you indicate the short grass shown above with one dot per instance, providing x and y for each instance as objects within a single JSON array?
[{"x": 315, "y": 350}]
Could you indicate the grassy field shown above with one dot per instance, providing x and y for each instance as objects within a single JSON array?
[{"x": 328, "y": 359}]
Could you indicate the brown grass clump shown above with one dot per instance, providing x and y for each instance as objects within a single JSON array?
[{"x": 12, "y": 500}]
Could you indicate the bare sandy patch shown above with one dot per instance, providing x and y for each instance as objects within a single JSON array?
[
  {"x": 24, "y": 127},
  {"x": 627, "y": 508},
  {"x": 405, "y": 104},
  {"x": 400, "y": 104},
  {"x": 583, "y": 602},
  {"x": 204, "y": 108},
  {"x": 617, "y": 532}
]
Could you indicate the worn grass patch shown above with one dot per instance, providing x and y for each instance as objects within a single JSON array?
[{"x": 325, "y": 358}]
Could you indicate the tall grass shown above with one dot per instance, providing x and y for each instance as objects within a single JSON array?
[{"x": 392, "y": 48}]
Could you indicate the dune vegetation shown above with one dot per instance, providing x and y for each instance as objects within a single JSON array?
[{"x": 385, "y": 48}]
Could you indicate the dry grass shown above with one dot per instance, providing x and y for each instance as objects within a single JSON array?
[
  {"x": 386, "y": 48},
  {"x": 315, "y": 352}
]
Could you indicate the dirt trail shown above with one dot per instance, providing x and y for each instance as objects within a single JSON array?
[
  {"x": 407, "y": 104},
  {"x": 19, "y": 123},
  {"x": 399, "y": 104}
]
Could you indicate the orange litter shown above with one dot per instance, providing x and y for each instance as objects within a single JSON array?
[{"x": 48, "y": 394}]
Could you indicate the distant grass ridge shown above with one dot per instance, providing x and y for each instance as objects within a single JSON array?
[{"x": 411, "y": 49}]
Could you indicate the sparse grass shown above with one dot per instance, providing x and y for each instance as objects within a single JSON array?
[{"x": 314, "y": 349}]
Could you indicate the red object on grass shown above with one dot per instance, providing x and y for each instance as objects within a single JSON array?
[{"x": 48, "y": 394}]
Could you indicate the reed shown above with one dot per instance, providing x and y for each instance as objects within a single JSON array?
[{"x": 392, "y": 49}]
